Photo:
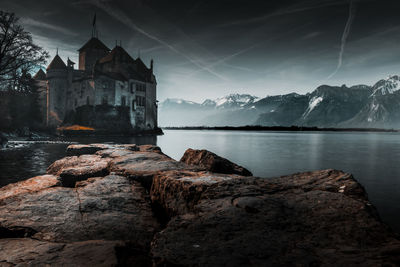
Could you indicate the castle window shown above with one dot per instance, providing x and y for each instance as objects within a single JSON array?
[
  {"x": 132, "y": 88},
  {"x": 104, "y": 100},
  {"x": 76, "y": 102},
  {"x": 133, "y": 105},
  {"x": 141, "y": 87},
  {"x": 105, "y": 84},
  {"x": 87, "y": 100},
  {"x": 141, "y": 101},
  {"x": 123, "y": 101}
]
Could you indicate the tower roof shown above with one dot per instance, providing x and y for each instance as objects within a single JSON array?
[
  {"x": 56, "y": 63},
  {"x": 40, "y": 75},
  {"x": 118, "y": 54},
  {"x": 94, "y": 43}
]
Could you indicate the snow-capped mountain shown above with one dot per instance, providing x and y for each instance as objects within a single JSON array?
[
  {"x": 231, "y": 101},
  {"x": 387, "y": 86},
  {"x": 177, "y": 102},
  {"x": 326, "y": 106},
  {"x": 212, "y": 112}
]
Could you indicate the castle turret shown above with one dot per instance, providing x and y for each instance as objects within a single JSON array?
[
  {"x": 92, "y": 51},
  {"x": 57, "y": 85}
]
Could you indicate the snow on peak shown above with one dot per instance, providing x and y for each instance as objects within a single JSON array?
[
  {"x": 235, "y": 100},
  {"x": 387, "y": 86},
  {"x": 312, "y": 104}
]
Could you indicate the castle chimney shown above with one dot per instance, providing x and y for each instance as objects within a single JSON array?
[{"x": 151, "y": 65}]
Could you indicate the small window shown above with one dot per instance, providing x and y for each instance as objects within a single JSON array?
[
  {"x": 87, "y": 100},
  {"x": 133, "y": 105},
  {"x": 104, "y": 100},
  {"x": 132, "y": 88},
  {"x": 76, "y": 102},
  {"x": 105, "y": 84},
  {"x": 123, "y": 101}
]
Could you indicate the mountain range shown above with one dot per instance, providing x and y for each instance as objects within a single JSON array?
[{"x": 364, "y": 106}]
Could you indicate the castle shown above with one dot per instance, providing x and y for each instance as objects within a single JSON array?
[{"x": 110, "y": 90}]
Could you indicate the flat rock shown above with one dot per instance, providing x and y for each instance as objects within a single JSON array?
[
  {"x": 308, "y": 219},
  {"x": 142, "y": 166},
  {"x": 77, "y": 150},
  {"x": 212, "y": 162},
  {"x": 73, "y": 169},
  {"x": 109, "y": 208},
  {"x": 29, "y": 186}
]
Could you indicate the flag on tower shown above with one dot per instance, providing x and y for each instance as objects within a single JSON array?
[{"x": 94, "y": 20}]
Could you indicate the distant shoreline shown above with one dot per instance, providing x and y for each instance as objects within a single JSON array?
[{"x": 281, "y": 128}]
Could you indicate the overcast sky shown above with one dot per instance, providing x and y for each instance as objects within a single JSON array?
[{"x": 210, "y": 48}]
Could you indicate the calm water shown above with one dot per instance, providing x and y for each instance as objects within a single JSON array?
[{"x": 373, "y": 158}]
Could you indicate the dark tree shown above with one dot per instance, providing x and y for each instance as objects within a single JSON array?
[
  {"x": 19, "y": 57},
  {"x": 18, "y": 54}
]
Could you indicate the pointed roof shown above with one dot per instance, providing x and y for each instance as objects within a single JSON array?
[
  {"x": 40, "y": 75},
  {"x": 56, "y": 63},
  {"x": 117, "y": 54},
  {"x": 94, "y": 43}
]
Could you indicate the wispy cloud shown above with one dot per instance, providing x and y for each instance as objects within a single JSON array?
[
  {"x": 309, "y": 5},
  {"x": 345, "y": 35},
  {"x": 47, "y": 26}
]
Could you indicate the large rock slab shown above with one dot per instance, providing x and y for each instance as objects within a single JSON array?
[
  {"x": 109, "y": 208},
  {"x": 314, "y": 218},
  {"x": 212, "y": 162}
]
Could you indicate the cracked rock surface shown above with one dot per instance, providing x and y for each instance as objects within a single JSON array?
[{"x": 128, "y": 205}]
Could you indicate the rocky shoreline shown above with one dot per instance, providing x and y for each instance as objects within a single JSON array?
[{"x": 129, "y": 205}]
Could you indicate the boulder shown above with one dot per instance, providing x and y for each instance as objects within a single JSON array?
[
  {"x": 313, "y": 218},
  {"x": 212, "y": 162},
  {"x": 130, "y": 205}
]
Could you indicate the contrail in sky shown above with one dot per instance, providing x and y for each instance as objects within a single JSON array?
[{"x": 346, "y": 32}]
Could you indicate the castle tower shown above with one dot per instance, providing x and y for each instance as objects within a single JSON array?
[
  {"x": 89, "y": 53},
  {"x": 57, "y": 85}
]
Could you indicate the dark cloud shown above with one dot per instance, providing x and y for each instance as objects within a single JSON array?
[{"x": 205, "y": 48}]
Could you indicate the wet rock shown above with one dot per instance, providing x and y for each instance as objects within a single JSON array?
[
  {"x": 109, "y": 208},
  {"x": 234, "y": 221},
  {"x": 213, "y": 162},
  {"x": 73, "y": 169}
]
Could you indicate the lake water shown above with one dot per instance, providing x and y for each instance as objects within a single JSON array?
[{"x": 373, "y": 158}]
